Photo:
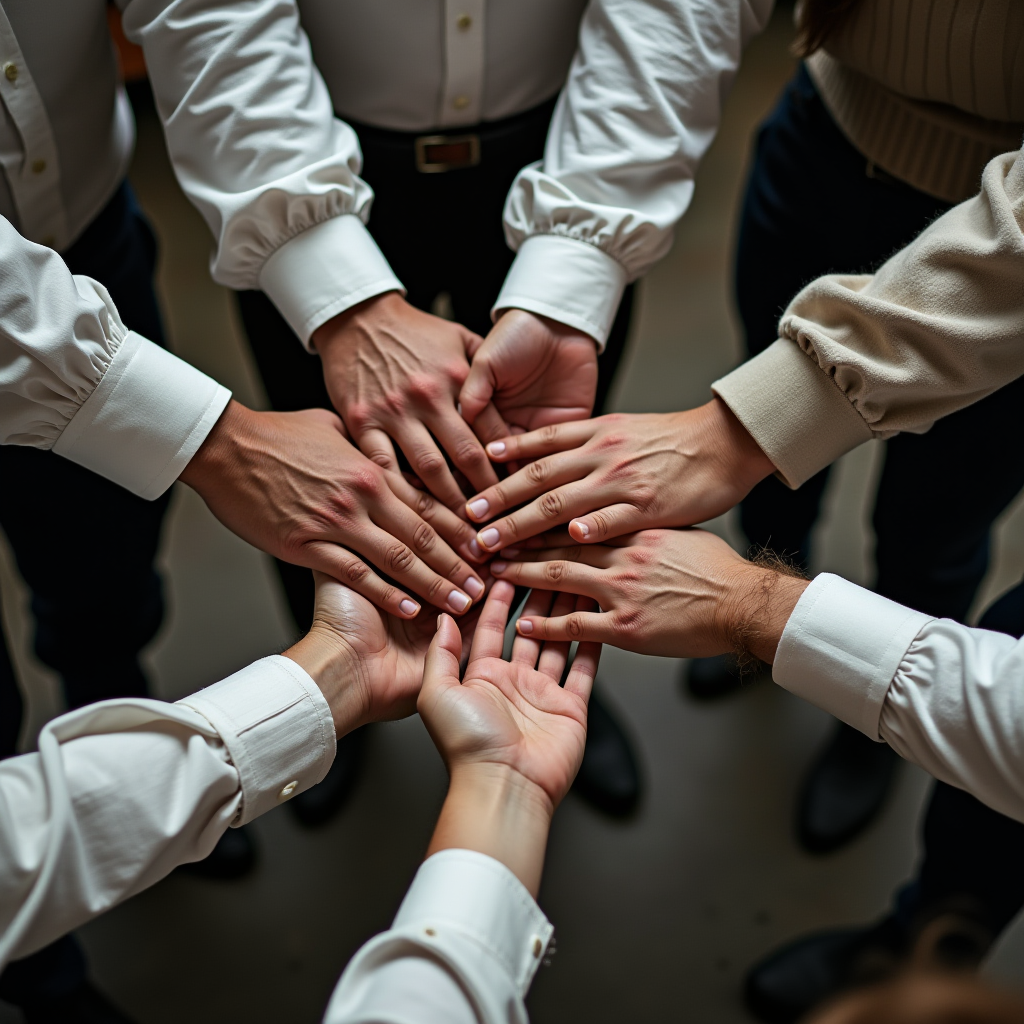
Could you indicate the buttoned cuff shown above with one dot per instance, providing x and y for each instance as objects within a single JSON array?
[
  {"x": 277, "y": 728},
  {"x": 793, "y": 410},
  {"x": 567, "y": 280},
  {"x": 146, "y": 419},
  {"x": 325, "y": 270},
  {"x": 842, "y": 647}
]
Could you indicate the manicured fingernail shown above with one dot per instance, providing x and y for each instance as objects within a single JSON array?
[
  {"x": 458, "y": 600},
  {"x": 524, "y": 626},
  {"x": 583, "y": 529},
  {"x": 440, "y": 618},
  {"x": 474, "y": 586},
  {"x": 478, "y": 551},
  {"x": 489, "y": 538},
  {"x": 409, "y": 607},
  {"x": 496, "y": 448},
  {"x": 498, "y": 566},
  {"x": 511, "y": 552},
  {"x": 478, "y": 509}
]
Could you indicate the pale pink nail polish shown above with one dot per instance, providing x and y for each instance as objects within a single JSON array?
[
  {"x": 496, "y": 448},
  {"x": 473, "y": 587},
  {"x": 498, "y": 566},
  {"x": 478, "y": 509},
  {"x": 458, "y": 600},
  {"x": 478, "y": 551},
  {"x": 583, "y": 528},
  {"x": 489, "y": 538},
  {"x": 524, "y": 626},
  {"x": 409, "y": 607}
]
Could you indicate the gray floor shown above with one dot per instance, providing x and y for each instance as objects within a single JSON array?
[{"x": 656, "y": 919}]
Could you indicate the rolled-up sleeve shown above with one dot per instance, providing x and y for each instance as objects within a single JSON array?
[
  {"x": 122, "y": 792},
  {"x": 74, "y": 379},
  {"x": 463, "y": 949},
  {"x": 642, "y": 103},
  {"x": 257, "y": 149}
]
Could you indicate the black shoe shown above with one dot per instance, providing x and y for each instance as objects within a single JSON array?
[
  {"x": 83, "y": 1005},
  {"x": 792, "y": 981},
  {"x": 321, "y": 803},
  {"x": 232, "y": 858},
  {"x": 844, "y": 790},
  {"x": 718, "y": 676},
  {"x": 608, "y": 779}
]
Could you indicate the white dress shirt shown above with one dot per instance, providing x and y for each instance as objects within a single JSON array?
[
  {"x": 945, "y": 696},
  {"x": 122, "y": 792},
  {"x": 74, "y": 379}
]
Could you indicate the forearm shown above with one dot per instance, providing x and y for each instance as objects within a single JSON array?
[{"x": 495, "y": 811}]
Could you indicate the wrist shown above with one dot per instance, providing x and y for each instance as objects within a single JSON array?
[
  {"x": 495, "y": 810},
  {"x": 332, "y": 664},
  {"x": 760, "y": 601},
  {"x": 219, "y": 450},
  {"x": 737, "y": 453},
  {"x": 327, "y": 335}
]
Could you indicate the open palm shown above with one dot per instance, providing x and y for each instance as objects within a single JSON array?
[{"x": 512, "y": 713}]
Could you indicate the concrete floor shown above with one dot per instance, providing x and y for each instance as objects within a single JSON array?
[{"x": 656, "y": 918}]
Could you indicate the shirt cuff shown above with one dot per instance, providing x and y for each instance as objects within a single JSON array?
[
  {"x": 793, "y": 410},
  {"x": 842, "y": 647},
  {"x": 325, "y": 270},
  {"x": 146, "y": 419},
  {"x": 277, "y": 728},
  {"x": 567, "y": 280}
]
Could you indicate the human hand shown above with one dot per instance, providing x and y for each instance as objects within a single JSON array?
[
  {"x": 673, "y": 593},
  {"x": 394, "y": 373},
  {"x": 616, "y": 474},
  {"x": 291, "y": 484},
  {"x": 512, "y": 738},
  {"x": 529, "y": 372}
]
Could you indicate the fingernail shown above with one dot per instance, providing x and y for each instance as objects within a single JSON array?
[
  {"x": 438, "y": 626},
  {"x": 474, "y": 586},
  {"x": 511, "y": 552},
  {"x": 489, "y": 538},
  {"x": 458, "y": 600},
  {"x": 496, "y": 448},
  {"x": 582, "y": 527},
  {"x": 524, "y": 626},
  {"x": 409, "y": 607},
  {"x": 498, "y": 566},
  {"x": 478, "y": 551},
  {"x": 458, "y": 408},
  {"x": 478, "y": 509}
]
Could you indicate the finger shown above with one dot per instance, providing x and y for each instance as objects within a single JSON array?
[
  {"x": 489, "y": 638},
  {"x": 490, "y": 425},
  {"x": 607, "y": 523},
  {"x": 441, "y": 664},
  {"x": 558, "y": 506},
  {"x": 558, "y": 437},
  {"x": 538, "y": 478},
  {"x": 558, "y": 537},
  {"x": 524, "y": 650},
  {"x": 428, "y": 463},
  {"x": 465, "y": 449},
  {"x": 584, "y": 666},
  {"x": 595, "y": 627},
  {"x": 573, "y": 577},
  {"x": 597, "y": 555},
  {"x": 346, "y": 568},
  {"x": 556, "y": 652},
  {"x": 456, "y": 532},
  {"x": 377, "y": 447},
  {"x": 477, "y": 389}
]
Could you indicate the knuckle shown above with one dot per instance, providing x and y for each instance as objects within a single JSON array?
[
  {"x": 429, "y": 464},
  {"x": 574, "y": 626},
  {"x": 549, "y": 434},
  {"x": 356, "y": 572},
  {"x": 424, "y": 538},
  {"x": 399, "y": 559},
  {"x": 552, "y": 505},
  {"x": 537, "y": 472},
  {"x": 365, "y": 481},
  {"x": 602, "y": 523},
  {"x": 434, "y": 590},
  {"x": 358, "y": 416},
  {"x": 555, "y": 571},
  {"x": 469, "y": 454},
  {"x": 425, "y": 388},
  {"x": 425, "y": 507}
]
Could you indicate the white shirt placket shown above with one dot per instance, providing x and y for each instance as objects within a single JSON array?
[
  {"x": 464, "y": 63},
  {"x": 33, "y": 174}
]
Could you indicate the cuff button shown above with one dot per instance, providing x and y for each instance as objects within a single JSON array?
[
  {"x": 538, "y": 946},
  {"x": 288, "y": 790}
]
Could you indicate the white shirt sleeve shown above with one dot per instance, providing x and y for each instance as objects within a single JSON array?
[
  {"x": 641, "y": 107},
  {"x": 122, "y": 792},
  {"x": 74, "y": 379},
  {"x": 945, "y": 696},
  {"x": 463, "y": 949},
  {"x": 256, "y": 147}
]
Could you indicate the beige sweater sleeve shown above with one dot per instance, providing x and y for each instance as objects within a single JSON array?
[{"x": 939, "y": 326}]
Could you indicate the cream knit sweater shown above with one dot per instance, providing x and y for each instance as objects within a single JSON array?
[{"x": 929, "y": 90}]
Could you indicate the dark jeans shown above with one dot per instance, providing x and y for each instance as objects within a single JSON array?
[
  {"x": 85, "y": 547},
  {"x": 440, "y": 233}
]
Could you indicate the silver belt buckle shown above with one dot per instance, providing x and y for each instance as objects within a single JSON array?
[{"x": 438, "y": 153}]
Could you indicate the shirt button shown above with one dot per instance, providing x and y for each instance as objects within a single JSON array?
[
  {"x": 288, "y": 790},
  {"x": 460, "y": 102},
  {"x": 463, "y": 21},
  {"x": 11, "y": 71},
  {"x": 38, "y": 166}
]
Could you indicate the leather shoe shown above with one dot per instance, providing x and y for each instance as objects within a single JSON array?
[
  {"x": 608, "y": 779},
  {"x": 844, "y": 790},
  {"x": 318, "y": 805},
  {"x": 232, "y": 858},
  {"x": 719, "y": 676},
  {"x": 792, "y": 981},
  {"x": 83, "y": 1005}
]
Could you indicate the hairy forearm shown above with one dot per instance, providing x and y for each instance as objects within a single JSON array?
[
  {"x": 758, "y": 606},
  {"x": 493, "y": 810}
]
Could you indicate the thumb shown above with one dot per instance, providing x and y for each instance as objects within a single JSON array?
[
  {"x": 477, "y": 389},
  {"x": 441, "y": 665}
]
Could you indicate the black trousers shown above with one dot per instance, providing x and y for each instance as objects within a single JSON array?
[
  {"x": 811, "y": 208},
  {"x": 440, "y": 233},
  {"x": 85, "y": 547}
]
